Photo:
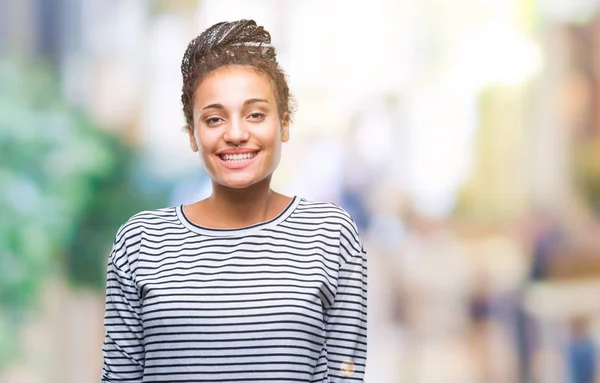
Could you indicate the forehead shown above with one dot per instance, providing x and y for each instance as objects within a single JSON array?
[{"x": 233, "y": 85}]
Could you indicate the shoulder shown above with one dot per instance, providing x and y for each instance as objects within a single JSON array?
[
  {"x": 144, "y": 220},
  {"x": 129, "y": 235},
  {"x": 333, "y": 214},
  {"x": 327, "y": 211},
  {"x": 350, "y": 244}
]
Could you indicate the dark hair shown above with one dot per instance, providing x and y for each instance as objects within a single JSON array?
[{"x": 240, "y": 42}]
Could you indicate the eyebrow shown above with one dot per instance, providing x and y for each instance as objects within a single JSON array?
[{"x": 247, "y": 102}]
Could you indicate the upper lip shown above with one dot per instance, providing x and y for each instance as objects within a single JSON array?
[{"x": 236, "y": 151}]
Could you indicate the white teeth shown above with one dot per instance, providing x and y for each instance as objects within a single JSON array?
[{"x": 237, "y": 157}]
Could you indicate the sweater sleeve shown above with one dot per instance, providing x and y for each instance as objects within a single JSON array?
[
  {"x": 123, "y": 347},
  {"x": 346, "y": 319}
]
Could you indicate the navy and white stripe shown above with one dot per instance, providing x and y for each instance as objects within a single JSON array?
[{"x": 281, "y": 301}]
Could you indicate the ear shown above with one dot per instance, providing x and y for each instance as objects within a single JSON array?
[
  {"x": 285, "y": 129},
  {"x": 193, "y": 143}
]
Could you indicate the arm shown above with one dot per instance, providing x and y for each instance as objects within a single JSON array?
[
  {"x": 123, "y": 347},
  {"x": 346, "y": 321}
]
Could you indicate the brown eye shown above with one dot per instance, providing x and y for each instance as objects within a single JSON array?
[
  {"x": 212, "y": 121},
  {"x": 257, "y": 116}
]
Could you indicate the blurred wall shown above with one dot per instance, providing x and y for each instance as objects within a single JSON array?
[{"x": 462, "y": 136}]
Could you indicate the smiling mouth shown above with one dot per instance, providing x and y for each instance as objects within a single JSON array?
[{"x": 233, "y": 158}]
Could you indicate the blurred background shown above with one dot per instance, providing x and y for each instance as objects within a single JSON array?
[{"x": 462, "y": 135}]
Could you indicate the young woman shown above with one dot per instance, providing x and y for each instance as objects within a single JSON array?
[{"x": 248, "y": 285}]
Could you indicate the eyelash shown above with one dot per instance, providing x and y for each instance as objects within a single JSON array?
[
  {"x": 257, "y": 115},
  {"x": 211, "y": 121}
]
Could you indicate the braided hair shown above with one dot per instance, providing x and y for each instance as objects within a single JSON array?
[{"x": 240, "y": 42}]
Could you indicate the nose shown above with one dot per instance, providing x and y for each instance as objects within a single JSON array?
[{"x": 236, "y": 132}]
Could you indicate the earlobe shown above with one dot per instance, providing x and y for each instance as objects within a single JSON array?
[
  {"x": 193, "y": 143},
  {"x": 285, "y": 130}
]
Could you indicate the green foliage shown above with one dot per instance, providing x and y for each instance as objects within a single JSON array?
[
  {"x": 65, "y": 186},
  {"x": 118, "y": 194}
]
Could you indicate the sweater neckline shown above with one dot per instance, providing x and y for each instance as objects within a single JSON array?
[{"x": 225, "y": 232}]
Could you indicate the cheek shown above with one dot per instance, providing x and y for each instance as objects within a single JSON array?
[
  {"x": 273, "y": 136},
  {"x": 206, "y": 142},
  {"x": 276, "y": 154}
]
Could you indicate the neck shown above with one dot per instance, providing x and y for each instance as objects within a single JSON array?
[{"x": 243, "y": 207}]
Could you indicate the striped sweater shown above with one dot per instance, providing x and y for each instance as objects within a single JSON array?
[{"x": 280, "y": 301}]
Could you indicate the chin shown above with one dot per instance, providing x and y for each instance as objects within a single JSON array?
[
  {"x": 241, "y": 181},
  {"x": 237, "y": 184}
]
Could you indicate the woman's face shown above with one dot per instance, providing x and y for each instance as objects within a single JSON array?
[{"x": 236, "y": 105}]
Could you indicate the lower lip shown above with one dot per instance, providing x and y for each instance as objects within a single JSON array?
[{"x": 238, "y": 164}]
